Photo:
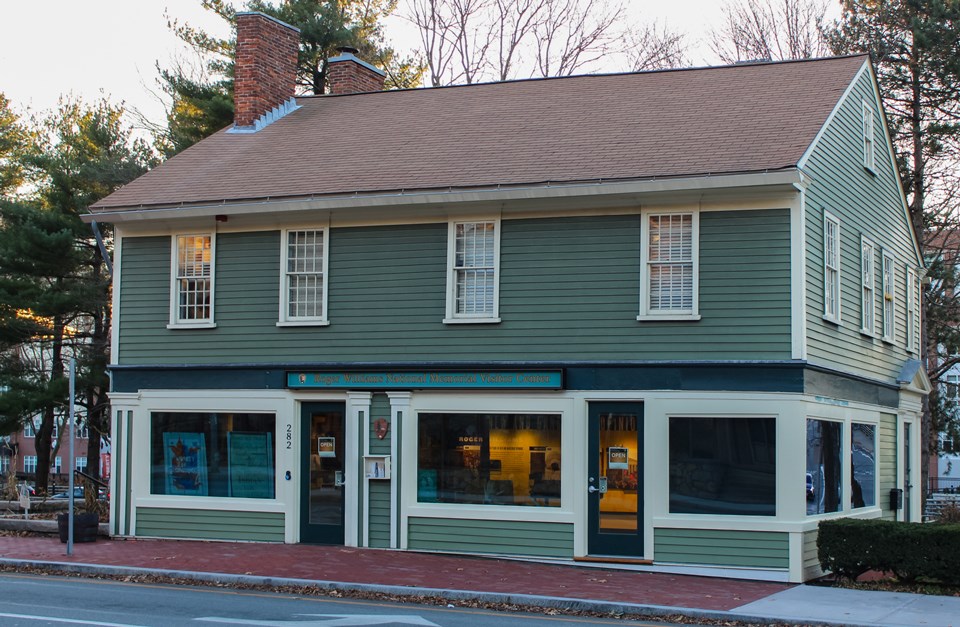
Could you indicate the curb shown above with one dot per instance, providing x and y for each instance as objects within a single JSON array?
[{"x": 414, "y": 593}]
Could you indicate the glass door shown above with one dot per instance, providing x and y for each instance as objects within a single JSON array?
[
  {"x": 615, "y": 479},
  {"x": 322, "y": 473},
  {"x": 906, "y": 472}
]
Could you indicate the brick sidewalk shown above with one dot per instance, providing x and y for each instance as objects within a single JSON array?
[{"x": 401, "y": 568}]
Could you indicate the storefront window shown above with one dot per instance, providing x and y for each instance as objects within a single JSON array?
[
  {"x": 823, "y": 466},
  {"x": 489, "y": 459},
  {"x": 863, "y": 465},
  {"x": 212, "y": 454},
  {"x": 723, "y": 466}
]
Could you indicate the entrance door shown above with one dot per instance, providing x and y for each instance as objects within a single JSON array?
[
  {"x": 615, "y": 479},
  {"x": 322, "y": 473}
]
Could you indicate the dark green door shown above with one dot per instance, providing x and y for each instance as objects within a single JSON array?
[
  {"x": 322, "y": 473},
  {"x": 615, "y": 479}
]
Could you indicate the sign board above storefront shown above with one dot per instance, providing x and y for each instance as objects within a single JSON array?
[{"x": 478, "y": 380}]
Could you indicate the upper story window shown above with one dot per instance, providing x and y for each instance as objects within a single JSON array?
[
  {"x": 869, "y": 147},
  {"x": 831, "y": 267},
  {"x": 913, "y": 310},
  {"x": 192, "y": 289},
  {"x": 889, "y": 308},
  {"x": 473, "y": 259},
  {"x": 29, "y": 430},
  {"x": 868, "y": 300},
  {"x": 303, "y": 297},
  {"x": 669, "y": 252}
]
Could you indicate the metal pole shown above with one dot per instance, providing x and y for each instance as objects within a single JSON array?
[{"x": 73, "y": 428}]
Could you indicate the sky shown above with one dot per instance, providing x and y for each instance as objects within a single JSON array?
[{"x": 49, "y": 48}]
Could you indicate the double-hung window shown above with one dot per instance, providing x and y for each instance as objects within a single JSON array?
[
  {"x": 303, "y": 294},
  {"x": 913, "y": 310},
  {"x": 869, "y": 146},
  {"x": 889, "y": 309},
  {"x": 868, "y": 300},
  {"x": 473, "y": 253},
  {"x": 669, "y": 251},
  {"x": 831, "y": 268},
  {"x": 192, "y": 289}
]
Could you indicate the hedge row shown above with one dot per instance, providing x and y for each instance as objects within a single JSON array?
[{"x": 849, "y": 547}]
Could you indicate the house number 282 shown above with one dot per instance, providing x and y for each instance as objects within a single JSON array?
[{"x": 289, "y": 436}]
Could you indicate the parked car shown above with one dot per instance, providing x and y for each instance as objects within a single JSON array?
[
  {"x": 25, "y": 487},
  {"x": 77, "y": 494},
  {"x": 810, "y": 495}
]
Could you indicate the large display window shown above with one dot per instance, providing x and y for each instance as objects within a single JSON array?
[
  {"x": 824, "y": 467},
  {"x": 212, "y": 454},
  {"x": 489, "y": 459},
  {"x": 723, "y": 466},
  {"x": 863, "y": 465}
]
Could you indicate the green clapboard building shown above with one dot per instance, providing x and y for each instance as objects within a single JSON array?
[{"x": 667, "y": 318}]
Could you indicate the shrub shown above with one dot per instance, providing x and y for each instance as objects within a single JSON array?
[{"x": 850, "y": 547}]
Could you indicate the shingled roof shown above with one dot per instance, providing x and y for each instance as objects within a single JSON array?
[{"x": 731, "y": 119}]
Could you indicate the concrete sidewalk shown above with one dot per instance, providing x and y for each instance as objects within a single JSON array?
[{"x": 486, "y": 579}]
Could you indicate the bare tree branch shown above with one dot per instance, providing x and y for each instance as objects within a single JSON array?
[{"x": 770, "y": 29}]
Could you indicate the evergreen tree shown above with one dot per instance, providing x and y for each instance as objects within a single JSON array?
[
  {"x": 54, "y": 288},
  {"x": 202, "y": 102}
]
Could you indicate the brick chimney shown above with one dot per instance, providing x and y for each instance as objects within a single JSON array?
[
  {"x": 349, "y": 75},
  {"x": 265, "y": 74}
]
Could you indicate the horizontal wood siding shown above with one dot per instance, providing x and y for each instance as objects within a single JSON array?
[
  {"x": 811, "y": 562},
  {"x": 491, "y": 536},
  {"x": 867, "y": 204},
  {"x": 569, "y": 290},
  {"x": 715, "y": 547},
  {"x": 887, "y": 460},
  {"x": 201, "y": 524},
  {"x": 379, "y": 517}
]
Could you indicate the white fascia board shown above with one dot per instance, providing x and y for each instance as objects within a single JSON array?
[{"x": 399, "y": 199}]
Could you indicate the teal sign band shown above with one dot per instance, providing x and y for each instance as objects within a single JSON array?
[{"x": 480, "y": 380}]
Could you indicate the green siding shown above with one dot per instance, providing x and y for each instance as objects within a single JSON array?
[
  {"x": 491, "y": 536},
  {"x": 210, "y": 524},
  {"x": 752, "y": 549},
  {"x": 569, "y": 290},
  {"x": 887, "y": 461},
  {"x": 379, "y": 513},
  {"x": 379, "y": 517},
  {"x": 867, "y": 204},
  {"x": 811, "y": 563}
]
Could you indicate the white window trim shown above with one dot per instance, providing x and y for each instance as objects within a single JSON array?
[
  {"x": 175, "y": 322},
  {"x": 451, "y": 316},
  {"x": 869, "y": 138},
  {"x": 828, "y": 315},
  {"x": 314, "y": 321},
  {"x": 646, "y": 314},
  {"x": 866, "y": 243},
  {"x": 891, "y": 297}
]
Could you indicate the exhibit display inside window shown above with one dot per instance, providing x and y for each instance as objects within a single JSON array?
[
  {"x": 489, "y": 459},
  {"x": 212, "y": 454}
]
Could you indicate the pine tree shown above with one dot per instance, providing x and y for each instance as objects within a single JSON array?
[{"x": 54, "y": 288}]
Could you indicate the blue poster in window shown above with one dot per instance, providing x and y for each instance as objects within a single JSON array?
[
  {"x": 185, "y": 460},
  {"x": 251, "y": 465}
]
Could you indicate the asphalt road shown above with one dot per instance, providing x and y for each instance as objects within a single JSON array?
[{"x": 49, "y": 600}]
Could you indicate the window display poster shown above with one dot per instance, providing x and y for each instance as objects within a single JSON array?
[
  {"x": 327, "y": 446},
  {"x": 618, "y": 458},
  {"x": 185, "y": 463},
  {"x": 250, "y": 458}
]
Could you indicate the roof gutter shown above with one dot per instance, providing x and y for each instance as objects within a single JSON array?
[{"x": 400, "y": 198}]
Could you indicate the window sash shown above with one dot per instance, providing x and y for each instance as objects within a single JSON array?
[
  {"x": 474, "y": 269},
  {"x": 670, "y": 263},
  {"x": 193, "y": 278},
  {"x": 869, "y": 146},
  {"x": 868, "y": 299},
  {"x": 304, "y": 279},
  {"x": 889, "y": 308},
  {"x": 831, "y": 265}
]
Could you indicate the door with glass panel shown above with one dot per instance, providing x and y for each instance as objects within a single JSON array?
[
  {"x": 322, "y": 476},
  {"x": 906, "y": 472},
  {"x": 615, "y": 479}
]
